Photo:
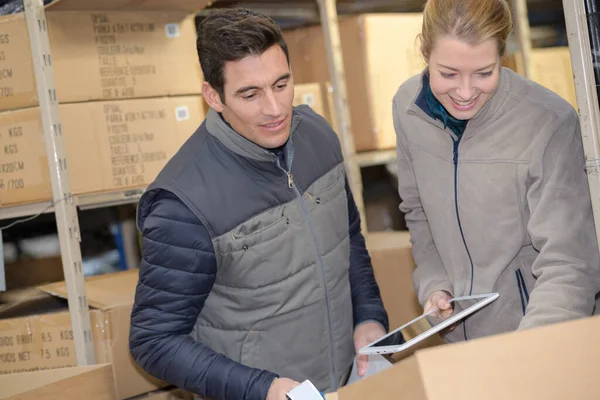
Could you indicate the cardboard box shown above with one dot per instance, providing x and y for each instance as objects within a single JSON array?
[
  {"x": 27, "y": 272},
  {"x": 105, "y": 55},
  {"x": 188, "y": 6},
  {"x": 319, "y": 96},
  {"x": 45, "y": 341},
  {"x": 373, "y": 73},
  {"x": 393, "y": 265},
  {"x": 313, "y": 95},
  {"x": 91, "y": 383},
  {"x": 555, "y": 362},
  {"x": 109, "y": 145},
  {"x": 551, "y": 68}
]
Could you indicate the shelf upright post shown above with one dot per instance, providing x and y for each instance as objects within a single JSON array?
[
  {"x": 64, "y": 205},
  {"x": 335, "y": 63}
]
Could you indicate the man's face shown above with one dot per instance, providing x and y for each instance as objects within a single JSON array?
[
  {"x": 464, "y": 77},
  {"x": 258, "y": 94}
]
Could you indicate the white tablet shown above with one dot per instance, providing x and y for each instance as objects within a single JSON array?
[{"x": 394, "y": 341}]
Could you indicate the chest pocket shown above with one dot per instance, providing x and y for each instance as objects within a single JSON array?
[
  {"x": 265, "y": 250},
  {"x": 259, "y": 229}
]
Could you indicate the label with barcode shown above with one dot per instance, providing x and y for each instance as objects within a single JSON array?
[
  {"x": 172, "y": 30},
  {"x": 308, "y": 99},
  {"x": 182, "y": 113}
]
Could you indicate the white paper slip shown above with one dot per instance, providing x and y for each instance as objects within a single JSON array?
[
  {"x": 305, "y": 391},
  {"x": 376, "y": 364}
]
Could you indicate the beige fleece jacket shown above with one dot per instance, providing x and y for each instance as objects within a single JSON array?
[{"x": 522, "y": 201}]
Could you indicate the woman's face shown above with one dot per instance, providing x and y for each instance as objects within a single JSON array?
[{"x": 463, "y": 77}]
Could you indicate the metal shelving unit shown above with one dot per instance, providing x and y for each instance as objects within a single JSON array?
[
  {"x": 64, "y": 205},
  {"x": 83, "y": 202}
]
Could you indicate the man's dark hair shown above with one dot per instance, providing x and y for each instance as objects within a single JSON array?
[{"x": 231, "y": 35}]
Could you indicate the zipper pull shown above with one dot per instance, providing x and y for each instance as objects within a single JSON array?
[{"x": 290, "y": 180}]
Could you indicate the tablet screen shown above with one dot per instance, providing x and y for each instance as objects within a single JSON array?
[{"x": 421, "y": 324}]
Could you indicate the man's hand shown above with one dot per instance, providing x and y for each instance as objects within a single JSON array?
[
  {"x": 363, "y": 335},
  {"x": 279, "y": 388},
  {"x": 441, "y": 301}
]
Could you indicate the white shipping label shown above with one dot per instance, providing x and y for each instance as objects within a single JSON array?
[
  {"x": 172, "y": 30},
  {"x": 308, "y": 99},
  {"x": 182, "y": 113}
]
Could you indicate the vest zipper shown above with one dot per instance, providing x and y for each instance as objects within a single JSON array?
[
  {"x": 460, "y": 228},
  {"x": 305, "y": 213}
]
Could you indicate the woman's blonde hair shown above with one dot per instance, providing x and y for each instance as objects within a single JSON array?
[{"x": 472, "y": 21}]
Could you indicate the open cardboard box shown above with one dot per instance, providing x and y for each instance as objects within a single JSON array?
[
  {"x": 91, "y": 383},
  {"x": 32, "y": 341},
  {"x": 555, "y": 362}
]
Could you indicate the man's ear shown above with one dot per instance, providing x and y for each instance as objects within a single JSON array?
[{"x": 212, "y": 97}]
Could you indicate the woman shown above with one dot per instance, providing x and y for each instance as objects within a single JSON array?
[{"x": 492, "y": 179}]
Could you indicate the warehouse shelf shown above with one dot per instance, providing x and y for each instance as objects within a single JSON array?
[
  {"x": 376, "y": 157},
  {"x": 84, "y": 202}
]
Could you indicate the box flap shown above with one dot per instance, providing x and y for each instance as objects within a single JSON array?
[
  {"x": 90, "y": 382},
  {"x": 554, "y": 362},
  {"x": 103, "y": 291},
  {"x": 190, "y": 6},
  {"x": 29, "y": 301}
]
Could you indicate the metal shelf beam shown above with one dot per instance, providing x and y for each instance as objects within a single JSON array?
[
  {"x": 377, "y": 157},
  {"x": 84, "y": 202}
]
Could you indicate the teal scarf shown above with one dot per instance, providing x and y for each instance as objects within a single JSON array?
[{"x": 436, "y": 108}]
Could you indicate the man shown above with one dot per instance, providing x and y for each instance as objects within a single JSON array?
[{"x": 251, "y": 237}]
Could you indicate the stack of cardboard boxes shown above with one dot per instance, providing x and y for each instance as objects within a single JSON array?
[
  {"x": 380, "y": 52},
  {"x": 36, "y": 332},
  {"x": 128, "y": 83}
]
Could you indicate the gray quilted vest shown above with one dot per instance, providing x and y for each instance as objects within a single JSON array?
[{"x": 281, "y": 299}]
